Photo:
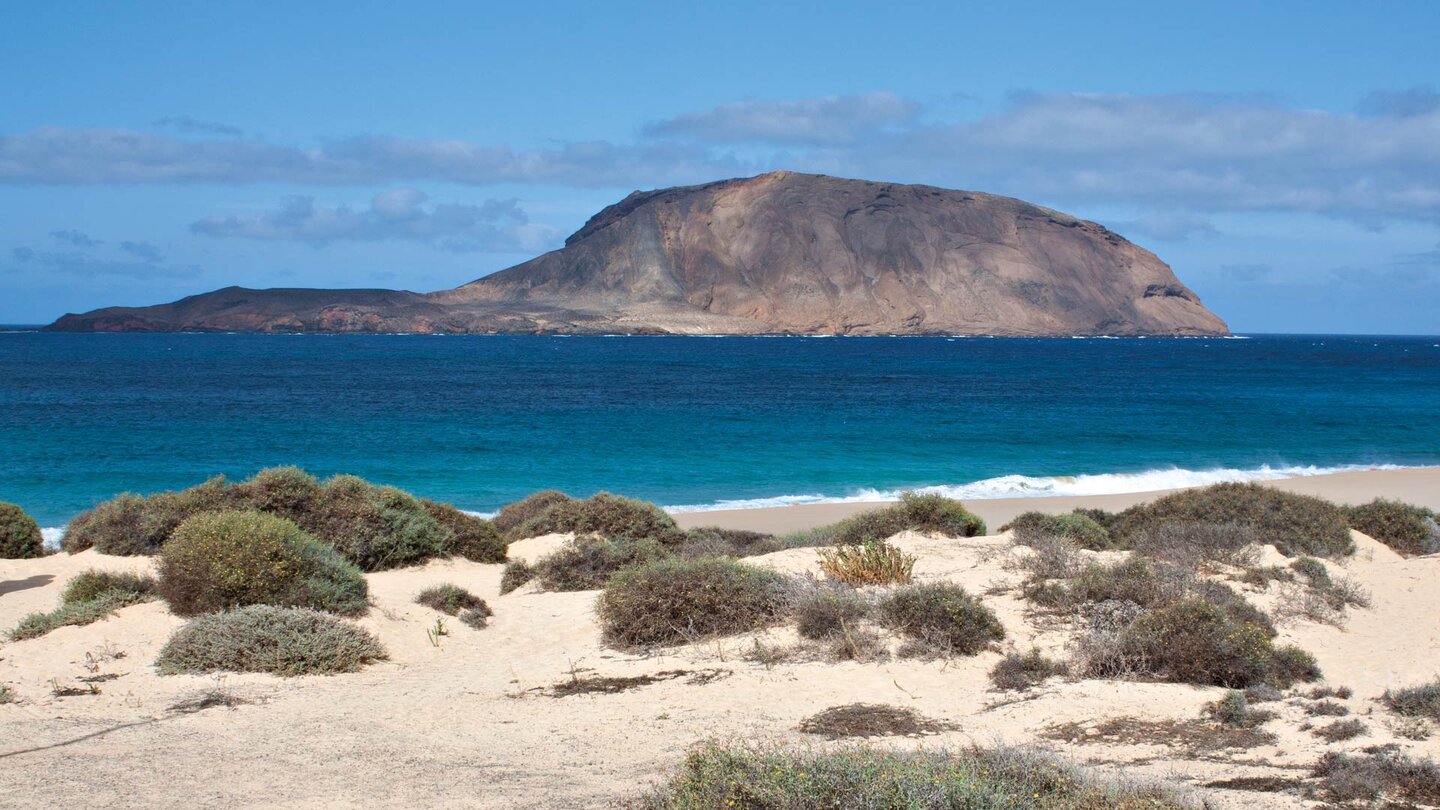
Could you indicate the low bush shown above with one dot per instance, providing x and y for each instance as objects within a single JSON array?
[
  {"x": 674, "y": 601},
  {"x": 942, "y": 618},
  {"x": 263, "y": 638},
  {"x": 825, "y": 613},
  {"x": 873, "y": 562},
  {"x": 1017, "y": 672},
  {"x": 1079, "y": 529},
  {"x": 1295, "y": 524},
  {"x": 473, "y": 538},
  {"x": 1234, "y": 710},
  {"x": 452, "y": 600},
  {"x": 221, "y": 560},
  {"x": 20, "y": 537},
  {"x": 1382, "y": 775},
  {"x": 609, "y": 516},
  {"x": 712, "y": 541},
  {"x": 1415, "y": 701},
  {"x": 1199, "y": 546},
  {"x": 1324, "y": 598},
  {"x": 1341, "y": 730},
  {"x": 929, "y": 514},
  {"x": 509, "y": 520},
  {"x": 87, "y": 586},
  {"x": 70, "y": 614},
  {"x": 1195, "y": 641},
  {"x": 1410, "y": 530},
  {"x": 589, "y": 561},
  {"x": 1100, "y": 516},
  {"x": 516, "y": 574},
  {"x": 868, "y": 778},
  {"x": 1326, "y": 708},
  {"x": 1262, "y": 576}
]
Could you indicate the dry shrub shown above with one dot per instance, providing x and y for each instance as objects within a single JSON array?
[
  {"x": 1326, "y": 708},
  {"x": 870, "y": 720},
  {"x": 1410, "y": 530},
  {"x": 221, "y": 560},
  {"x": 712, "y": 541},
  {"x": 1340, "y": 730},
  {"x": 1375, "y": 776},
  {"x": 675, "y": 601},
  {"x": 1322, "y": 598},
  {"x": 1079, "y": 529},
  {"x": 20, "y": 537},
  {"x": 1295, "y": 524},
  {"x": 824, "y": 613},
  {"x": 453, "y": 600},
  {"x": 509, "y": 520},
  {"x": 609, "y": 516},
  {"x": 588, "y": 562},
  {"x": 516, "y": 574},
  {"x": 1200, "y": 546},
  {"x": 1195, "y": 641},
  {"x": 262, "y": 638},
  {"x": 1234, "y": 710},
  {"x": 874, "y": 562},
  {"x": 472, "y": 537},
  {"x": 1415, "y": 701},
  {"x": 942, "y": 619},
  {"x": 1051, "y": 558},
  {"x": 1262, "y": 576},
  {"x": 861, "y": 777},
  {"x": 1016, "y": 672},
  {"x": 929, "y": 514}
]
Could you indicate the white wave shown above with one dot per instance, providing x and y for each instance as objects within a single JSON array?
[
  {"x": 484, "y": 515},
  {"x": 1025, "y": 486},
  {"x": 51, "y": 535}
]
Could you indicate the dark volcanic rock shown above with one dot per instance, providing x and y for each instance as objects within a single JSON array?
[{"x": 782, "y": 252}]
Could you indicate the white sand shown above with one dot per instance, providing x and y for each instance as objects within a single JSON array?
[{"x": 464, "y": 725}]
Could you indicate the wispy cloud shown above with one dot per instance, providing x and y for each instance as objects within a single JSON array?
[
  {"x": 143, "y": 251},
  {"x": 82, "y": 265},
  {"x": 194, "y": 126},
  {"x": 398, "y": 214},
  {"x": 74, "y": 238},
  {"x": 828, "y": 120}
]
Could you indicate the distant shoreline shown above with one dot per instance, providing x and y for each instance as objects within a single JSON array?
[{"x": 1416, "y": 485}]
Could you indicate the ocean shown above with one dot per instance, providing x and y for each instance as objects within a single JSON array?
[{"x": 699, "y": 422}]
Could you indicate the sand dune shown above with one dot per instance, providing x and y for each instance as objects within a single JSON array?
[{"x": 470, "y": 723}]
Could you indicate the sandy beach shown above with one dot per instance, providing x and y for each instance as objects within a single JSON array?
[{"x": 473, "y": 722}]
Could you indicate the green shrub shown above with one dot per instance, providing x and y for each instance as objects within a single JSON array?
[
  {"x": 1016, "y": 672},
  {"x": 930, "y": 514},
  {"x": 1415, "y": 701},
  {"x": 69, "y": 614},
  {"x": 1079, "y": 529},
  {"x": 674, "y": 601},
  {"x": 1410, "y": 530},
  {"x": 942, "y": 617},
  {"x": 869, "y": 778},
  {"x": 90, "y": 585},
  {"x": 20, "y": 537},
  {"x": 374, "y": 527},
  {"x": 473, "y": 538},
  {"x": 825, "y": 613},
  {"x": 610, "y": 516},
  {"x": 1195, "y": 641},
  {"x": 451, "y": 599},
  {"x": 510, "y": 519},
  {"x": 516, "y": 574},
  {"x": 589, "y": 561},
  {"x": 221, "y": 560},
  {"x": 1295, "y": 524},
  {"x": 264, "y": 638}
]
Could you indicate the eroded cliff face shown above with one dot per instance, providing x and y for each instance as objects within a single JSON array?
[{"x": 778, "y": 253}]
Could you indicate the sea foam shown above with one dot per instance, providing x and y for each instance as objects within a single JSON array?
[{"x": 1025, "y": 486}]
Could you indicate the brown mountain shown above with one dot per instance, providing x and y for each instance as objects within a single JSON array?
[{"x": 778, "y": 253}]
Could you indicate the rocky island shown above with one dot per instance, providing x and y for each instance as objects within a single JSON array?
[{"x": 780, "y": 253}]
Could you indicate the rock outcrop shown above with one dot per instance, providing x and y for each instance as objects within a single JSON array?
[{"x": 778, "y": 253}]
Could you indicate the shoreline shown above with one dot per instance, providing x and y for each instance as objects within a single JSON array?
[{"x": 1416, "y": 485}]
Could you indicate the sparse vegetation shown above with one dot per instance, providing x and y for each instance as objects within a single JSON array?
[
  {"x": 1199, "y": 546},
  {"x": 825, "y": 612},
  {"x": 516, "y": 574},
  {"x": 1340, "y": 730},
  {"x": 867, "y": 778},
  {"x": 375, "y": 527},
  {"x": 873, "y": 562},
  {"x": 1019, "y": 672},
  {"x": 1262, "y": 576},
  {"x": 1295, "y": 524},
  {"x": 1323, "y": 597},
  {"x": 453, "y": 600},
  {"x": 1410, "y": 530},
  {"x": 1415, "y": 701},
  {"x": 222, "y": 560},
  {"x": 673, "y": 601},
  {"x": 7, "y": 695},
  {"x": 89, "y": 597},
  {"x": 941, "y": 619},
  {"x": 1326, "y": 708},
  {"x": 20, "y": 537},
  {"x": 1376, "y": 776},
  {"x": 1234, "y": 710},
  {"x": 263, "y": 638},
  {"x": 869, "y": 720},
  {"x": 1080, "y": 529}
]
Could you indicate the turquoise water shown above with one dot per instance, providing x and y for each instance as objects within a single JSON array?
[{"x": 479, "y": 421}]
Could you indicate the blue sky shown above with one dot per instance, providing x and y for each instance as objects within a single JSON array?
[{"x": 1283, "y": 157}]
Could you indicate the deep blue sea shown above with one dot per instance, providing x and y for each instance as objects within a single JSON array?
[{"x": 480, "y": 421}]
